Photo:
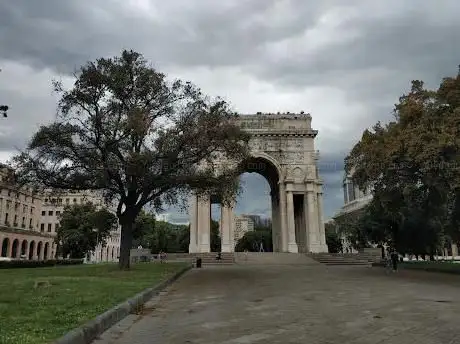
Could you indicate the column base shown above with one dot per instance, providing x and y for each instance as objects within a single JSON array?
[
  {"x": 192, "y": 249},
  {"x": 205, "y": 249},
  {"x": 292, "y": 248},
  {"x": 227, "y": 248},
  {"x": 318, "y": 248}
]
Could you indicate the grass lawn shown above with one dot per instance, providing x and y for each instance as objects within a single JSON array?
[
  {"x": 435, "y": 266},
  {"x": 75, "y": 294}
]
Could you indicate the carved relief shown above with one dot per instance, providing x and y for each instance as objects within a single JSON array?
[{"x": 297, "y": 174}]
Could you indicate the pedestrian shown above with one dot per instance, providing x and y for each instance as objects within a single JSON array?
[{"x": 394, "y": 259}]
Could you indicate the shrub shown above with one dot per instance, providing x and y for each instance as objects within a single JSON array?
[{"x": 17, "y": 264}]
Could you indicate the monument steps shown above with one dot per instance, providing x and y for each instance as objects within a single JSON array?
[
  {"x": 272, "y": 258},
  {"x": 341, "y": 259}
]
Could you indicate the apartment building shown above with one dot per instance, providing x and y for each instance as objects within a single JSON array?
[
  {"x": 20, "y": 210},
  {"x": 243, "y": 224},
  {"x": 28, "y": 220},
  {"x": 53, "y": 206}
]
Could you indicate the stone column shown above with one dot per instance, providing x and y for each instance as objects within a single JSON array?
[
  {"x": 193, "y": 214},
  {"x": 314, "y": 245},
  {"x": 204, "y": 223},
  {"x": 283, "y": 220},
  {"x": 227, "y": 232},
  {"x": 292, "y": 245},
  {"x": 322, "y": 231},
  {"x": 454, "y": 250},
  {"x": 276, "y": 230},
  {"x": 9, "y": 250}
]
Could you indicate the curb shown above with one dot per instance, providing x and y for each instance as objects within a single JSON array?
[{"x": 88, "y": 332}]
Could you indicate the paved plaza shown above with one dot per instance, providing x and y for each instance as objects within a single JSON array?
[{"x": 298, "y": 304}]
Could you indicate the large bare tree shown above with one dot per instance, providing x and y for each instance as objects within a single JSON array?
[{"x": 127, "y": 131}]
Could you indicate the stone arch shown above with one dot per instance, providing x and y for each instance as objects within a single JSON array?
[
  {"x": 15, "y": 249},
  {"x": 5, "y": 247},
  {"x": 270, "y": 159},
  {"x": 32, "y": 250},
  {"x": 46, "y": 251},
  {"x": 112, "y": 251},
  {"x": 24, "y": 247},
  {"x": 40, "y": 250},
  {"x": 286, "y": 142}
]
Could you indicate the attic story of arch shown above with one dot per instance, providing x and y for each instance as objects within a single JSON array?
[{"x": 283, "y": 151}]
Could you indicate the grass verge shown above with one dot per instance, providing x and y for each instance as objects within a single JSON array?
[{"x": 39, "y": 305}]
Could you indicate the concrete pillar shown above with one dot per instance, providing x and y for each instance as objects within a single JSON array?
[
  {"x": 314, "y": 245},
  {"x": 226, "y": 229},
  {"x": 9, "y": 251},
  {"x": 193, "y": 213},
  {"x": 204, "y": 224},
  {"x": 454, "y": 250},
  {"x": 322, "y": 231},
  {"x": 292, "y": 245},
  {"x": 276, "y": 230},
  {"x": 283, "y": 219}
]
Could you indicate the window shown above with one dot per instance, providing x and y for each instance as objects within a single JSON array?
[
  {"x": 75, "y": 200},
  {"x": 50, "y": 213},
  {"x": 43, "y": 213},
  {"x": 6, "y": 218},
  {"x": 30, "y": 224},
  {"x": 58, "y": 213},
  {"x": 23, "y": 223},
  {"x": 56, "y": 227},
  {"x": 32, "y": 210},
  {"x": 49, "y": 227},
  {"x": 345, "y": 198},
  {"x": 351, "y": 192},
  {"x": 42, "y": 227}
]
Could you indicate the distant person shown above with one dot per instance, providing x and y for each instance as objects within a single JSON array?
[{"x": 394, "y": 259}]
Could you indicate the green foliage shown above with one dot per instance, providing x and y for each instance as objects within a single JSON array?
[
  {"x": 17, "y": 264},
  {"x": 251, "y": 240},
  {"x": 82, "y": 227},
  {"x": 333, "y": 240},
  {"x": 110, "y": 135},
  {"x": 412, "y": 165},
  {"x": 144, "y": 228}
]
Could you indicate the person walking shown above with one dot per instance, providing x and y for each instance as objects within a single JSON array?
[{"x": 394, "y": 259}]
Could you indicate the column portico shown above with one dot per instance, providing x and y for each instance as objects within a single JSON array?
[
  {"x": 292, "y": 245},
  {"x": 227, "y": 228}
]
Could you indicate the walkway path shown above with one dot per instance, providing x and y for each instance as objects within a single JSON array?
[{"x": 298, "y": 304}]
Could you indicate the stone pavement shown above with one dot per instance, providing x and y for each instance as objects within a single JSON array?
[{"x": 298, "y": 304}]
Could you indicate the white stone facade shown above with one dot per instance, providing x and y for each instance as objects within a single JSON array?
[{"x": 283, "y": 151}]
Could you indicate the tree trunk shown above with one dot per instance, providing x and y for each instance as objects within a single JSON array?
[{"x": 125, "y": 244}]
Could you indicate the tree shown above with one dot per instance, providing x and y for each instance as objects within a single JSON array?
[
  {"x": 334, "y": 242},
  {"x": 82, "y": 227},
  {"x": 251, "y": 241},
  {"x": 125, "y": 130},
  {"x": 411, "y": 164},
  {"x": 143, "y": 230}
]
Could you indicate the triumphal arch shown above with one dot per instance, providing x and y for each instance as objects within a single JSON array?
[{"x": 283, "y": 151}]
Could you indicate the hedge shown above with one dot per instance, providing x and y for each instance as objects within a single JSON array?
[{"x": 17, "y": 264}]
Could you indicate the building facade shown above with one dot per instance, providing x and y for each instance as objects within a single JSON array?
[
  {"x": 29, "y": 221},
  {"x": 354, "y": 200},
  {"x": 242, "y": 224}
]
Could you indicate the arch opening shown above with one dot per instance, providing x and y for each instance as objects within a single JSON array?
[
  {"x": 15, "y": 249},
  {"x": 5, "y": 244},
  {"x": 31, "y": 250}
]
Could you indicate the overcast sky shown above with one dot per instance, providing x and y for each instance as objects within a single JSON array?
[{"x": 346, "y": 62}]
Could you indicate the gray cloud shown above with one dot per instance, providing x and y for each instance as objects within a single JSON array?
[{"x": 362, "y": 54}]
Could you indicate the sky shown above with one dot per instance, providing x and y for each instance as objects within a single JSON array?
[{"x": 345, "y": 62}]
